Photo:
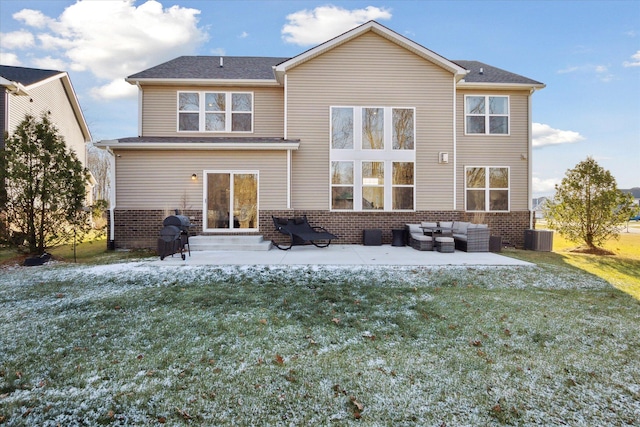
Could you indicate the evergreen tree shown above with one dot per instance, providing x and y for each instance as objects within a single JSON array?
[{"x": 44, "y": 184}]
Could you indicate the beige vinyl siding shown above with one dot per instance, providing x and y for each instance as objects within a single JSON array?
[
  {"x": 160, "y": 115},
  {"x": 50, "y": 96},
  {"x": 497, "y": 150},
  {"x": 162, "y": 179},
  {"x": 369, "y": 71}
]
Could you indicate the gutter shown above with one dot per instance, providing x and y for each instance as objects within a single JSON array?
[{"x": 113, "y": 144}]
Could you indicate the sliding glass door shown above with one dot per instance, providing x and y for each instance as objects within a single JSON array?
[{"x": 231, "y": 200}]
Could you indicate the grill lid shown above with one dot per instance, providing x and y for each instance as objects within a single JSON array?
[{"x": 180, "y": 221}]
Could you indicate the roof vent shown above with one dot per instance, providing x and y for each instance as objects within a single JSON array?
[
  {"x": 221, "y": 62},
  {"x": 481, "y": 69}
]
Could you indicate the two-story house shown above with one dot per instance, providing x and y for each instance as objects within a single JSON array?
[{"x": 368, "y": 130}]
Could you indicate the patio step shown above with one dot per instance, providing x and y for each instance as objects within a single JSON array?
[{"x": 229, "y": 243}]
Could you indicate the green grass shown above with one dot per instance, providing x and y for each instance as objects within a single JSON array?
[
  {"x": 141, "y": 345},
  {"x": 621, "y": 270},
  {"x": 92, "y": 251}
]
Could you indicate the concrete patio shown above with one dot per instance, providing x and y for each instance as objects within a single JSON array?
[{"x": 342, "y": 255}]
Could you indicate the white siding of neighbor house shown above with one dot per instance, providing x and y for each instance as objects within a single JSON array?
[
  {"x": 160, "y": 111},
  {"x": 162, "y": 179},
  {"x": 497, "y": 150},
  {"x": 370, "y": 71},
  {"x": 50, "y": 96}
]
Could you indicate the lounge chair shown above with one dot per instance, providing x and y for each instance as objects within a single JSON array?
[{"x": 300, "y": 232}]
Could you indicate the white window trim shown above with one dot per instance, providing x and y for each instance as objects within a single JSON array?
[
  {"x": 204, "y": 199},
  {"x": 388, "y": 155},
  {"x": 202, "y": 112},
  {"x": 487, "y": 189},
  {"x": 486, "y": 115}
]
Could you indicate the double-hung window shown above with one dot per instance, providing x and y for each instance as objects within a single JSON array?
[
  {"x": 372, "y": 162},
  {"x": 215, "y": 112},
  {"x": 487, "y": 188},
  {"x": 486, "y": 115}
]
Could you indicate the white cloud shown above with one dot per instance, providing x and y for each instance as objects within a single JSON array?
[
  {"x": 600, "y": 71},
  {"x": 32, "y": 18},
  {"x": 635, "y": 62},
  {"x": 21, "y": 39},
  {"x": 114, "y": 39},
  {"x": 50, "y": 63},
  {"x": 309, "y": 27},
  {"x": 7, "y": 58},
  {"x": 117, "y": 89},
  {"x": 243, "y": 35},
  {"x": 544, "y": 185},
  {"x": 544, "y": 135}
]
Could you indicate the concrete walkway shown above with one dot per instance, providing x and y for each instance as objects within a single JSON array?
[{"x": 342, "y": 255}]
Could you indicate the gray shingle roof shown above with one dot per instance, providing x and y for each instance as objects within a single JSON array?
[
  {"x": 260, "y": 68},
  {"x": 26, "y": 76},
  {"x": 208, "y": 67},
  {"x": 492, "y": 74}
]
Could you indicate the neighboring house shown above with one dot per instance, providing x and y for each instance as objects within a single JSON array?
[
  {"x": 368, "y": 130},
  {"x": 34, "y": 91},
  {"x": 537, "y": 206}
]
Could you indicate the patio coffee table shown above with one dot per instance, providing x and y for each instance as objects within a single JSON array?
[{"x": 437, "y": 231}]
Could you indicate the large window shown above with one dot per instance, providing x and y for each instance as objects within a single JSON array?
[
  {"x": 486, "y": 115},
  {"x": 372, "y": 158},
  {"x": 487, "y": 188},
  {"x": 215, "y": 112}
]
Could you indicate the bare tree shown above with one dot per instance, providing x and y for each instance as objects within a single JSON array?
[{"x": 99, "y": 163}]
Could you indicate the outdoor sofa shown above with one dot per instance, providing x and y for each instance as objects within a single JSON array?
[{"x": 468, "y": 237}]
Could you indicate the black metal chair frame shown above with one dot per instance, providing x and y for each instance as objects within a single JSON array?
[{"x": 300, "y": 232}]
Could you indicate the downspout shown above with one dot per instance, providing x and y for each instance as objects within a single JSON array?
[
  {"x": 530, "y": 162},
  {"x": 455, "y": 146},
  {"x": 139, "y": 108},
  {"x": 111, "y": 243},
  {"x": 289, "y": 156}
]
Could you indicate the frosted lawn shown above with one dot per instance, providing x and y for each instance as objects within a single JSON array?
[{"x": 131, "y": 344}]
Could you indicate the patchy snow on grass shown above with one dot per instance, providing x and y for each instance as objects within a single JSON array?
[{"x": 133, "y": 344}]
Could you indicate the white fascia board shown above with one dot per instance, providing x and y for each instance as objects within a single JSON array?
[
  {"x": 205, "y": 82},
  {"x": 385, "y": 32},
  {"x": 14, "y": 88},
  {"x": 503, "y": 86},
  {"x": 228, "y": 146}
]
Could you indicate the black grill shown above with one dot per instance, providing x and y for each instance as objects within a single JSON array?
[{"x": 174, "y": 236}]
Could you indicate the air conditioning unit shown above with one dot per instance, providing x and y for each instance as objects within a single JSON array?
[{"x": 538, "y": 240}]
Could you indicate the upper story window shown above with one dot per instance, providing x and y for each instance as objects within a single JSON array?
[
  {"x": 215, "y": 111},
  {"x": 486, "y": 115},
  {"x": 372, "y": 154}
]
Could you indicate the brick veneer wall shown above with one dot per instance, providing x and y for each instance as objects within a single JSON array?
[{"x": 140, "y": 228}]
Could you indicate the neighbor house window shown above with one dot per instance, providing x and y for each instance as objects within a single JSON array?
[
  {"x": 215, "y": 112},
  {"x": 372, "y": 158},
  {"x": 486, "y": 115},
  {"x": 487, "y": 188}
]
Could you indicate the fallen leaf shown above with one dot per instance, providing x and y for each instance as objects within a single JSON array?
[
  {"x": 477, "y": 343},
  {"x": 263, "y": 321},
  {"x": 335, "y": 320},
  {"x": 279, "y": 360},
  {"x": 140, "y": 356},
  {"x": 357, "y": 404},
  {"x": 162, "y": 420}
]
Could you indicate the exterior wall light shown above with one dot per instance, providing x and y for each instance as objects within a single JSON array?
[{"x": 194, "y": 177}]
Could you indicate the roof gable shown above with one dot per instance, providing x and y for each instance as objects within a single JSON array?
[
  {"x": 381, "y": 30},
  {"x": 20, "y": 80}
]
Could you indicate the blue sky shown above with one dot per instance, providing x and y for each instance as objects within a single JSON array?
[{"x": 586, "y": 52}]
